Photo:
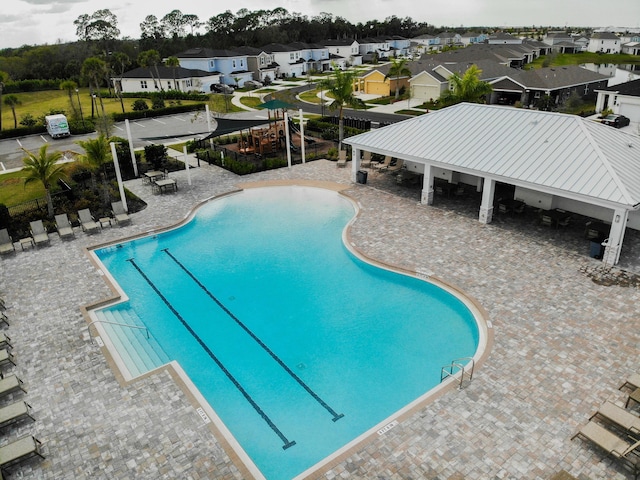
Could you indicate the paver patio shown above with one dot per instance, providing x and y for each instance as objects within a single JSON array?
[{"x": 562, "y": 346}]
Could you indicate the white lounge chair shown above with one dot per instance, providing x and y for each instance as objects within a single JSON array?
[
  {"x": 15, "y": 412},
  {"x": 342, "y": 158},
  {"x": 39, "y": 233},
  {"x": 65, "y": 230},
  {"x": 19, "y": 450},
  {"x": 119, "y": 213},
  {"x": 89, "y": 225},
  {"x": 10, "y": 384},
  {"x": 6, "y": 243},
  {"x": 624, "y": 419}
]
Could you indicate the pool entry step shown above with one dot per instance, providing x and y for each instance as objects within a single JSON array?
[{"x": 464, "y": 366}]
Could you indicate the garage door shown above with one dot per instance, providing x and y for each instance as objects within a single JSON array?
[
  {"x": 377, "y": 88},
  {"x": 631, "y": 111}
]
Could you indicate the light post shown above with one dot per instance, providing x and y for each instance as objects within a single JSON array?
[{"x": 80, "y": 106}]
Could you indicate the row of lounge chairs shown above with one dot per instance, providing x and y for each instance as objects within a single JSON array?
[
  {"x": 39, "y": 236},
  {"x": 25, "y": 447},
  {"x": 616, "y": 430}
]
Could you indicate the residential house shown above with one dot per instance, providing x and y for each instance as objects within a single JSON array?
[
  {"x": 371, "y": 48},
  {"x": 425, "y": 43},
  {"x": 400, "y": 46},
  {"x": 604, "y": 42},
  {"x": 231, "y": 66},
  {"x": 503, "y": 38},
  {"x": 623, "y": 99},
  {"x": 450, "y": 39},
  {"x": 472, "y": 37},
  {"x": 144, "y": 79},
  {"x": 317, "y": 57},
  {"x": 260, "y": 63},
  {"x": 527, "y": 87},
  {"x": 290, "y": 61},
  {"x": 537, "y": 47},
  {"x": 515, "y": 56},
  {"x": 345, "y": 52}
]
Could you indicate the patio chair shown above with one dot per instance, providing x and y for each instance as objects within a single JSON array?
[
  {"x": 10, "y": 384},
  {"x": 6, "y": 357},
  {"x": 39, "y": 233},
  {"x": 15, "y": 412},
  {"x": 4, "y": 319},
  {"x": 119, "y": 213},
  {"x": 342, "y": 158},
  {"x": 88, "y": 224},
  {"x": 65, "y": 230},
  {"x": 392, "y": 168},
  {"x": 381, "y": 166},
  {"x": 546, "y": 220},
  {"x": 366, "y": 159},
  {"x": 633, "y": 382},
  {"x": 5, "y": 341},
  {"x": 19, "y": 450},
  {"x": 624, "y": 419},
  {"x": 6, "y": 243},
  {"x": 617, "y": 447}
]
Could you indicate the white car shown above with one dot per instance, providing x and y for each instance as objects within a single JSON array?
[{"x": 253, "y": 84}]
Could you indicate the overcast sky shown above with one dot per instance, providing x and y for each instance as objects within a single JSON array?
[{"x": 37, "y": 22}]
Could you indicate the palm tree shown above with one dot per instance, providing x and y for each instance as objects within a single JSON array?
[
  {"x": 148, "y": 59},
  {"x": 398, "y": 69},
  {"x": 173, "y": 62},
  {"x": 44, "y": 168},
  {"x": 11, "y": 101},
  {"x": 340, "y": 88},
  {"x": 97, "y": 153},
  {"x": 94, "y": 70},
  {"x": 70, "y": 86},
  {"x": 468, "y": 88},
  {"x": 3, "y": 78}
]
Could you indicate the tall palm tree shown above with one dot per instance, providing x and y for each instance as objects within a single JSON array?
[
  {"x": 340, "y": 87},
  {"x": 11, "y": 101},
  {"x": 150, "y": 59},
  {"x": 398, "y": 69},
  {"x": 70, "y": 87},
  {"x": 119, "y": 63},
  {"x": 4, "y": 76},
  {"x": 173, "y": 62},
  {"x": 97, "y": 153},
  {"x": 94, "y": 70},
  {"x": 43, "y": 167},
  {"x": 468, "y": 88}
]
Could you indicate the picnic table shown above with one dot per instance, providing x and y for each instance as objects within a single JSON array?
[{"x": 164, "y": 185}]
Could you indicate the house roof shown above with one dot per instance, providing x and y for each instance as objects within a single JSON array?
[
  {"x": 557, "y": 77},
  {"x": 207, "y": 53},
  {"x": 605, "y": 36},
  {"x": 553, "y": 152},
  {"x": 631, "y": 88},
  {"x": 167, "y": 73}
]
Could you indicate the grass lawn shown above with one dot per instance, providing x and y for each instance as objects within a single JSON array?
[
  {"x": 561, "y": 59},
  {"x": 251, "y": 102},
  {"x": 13, "y": 191},
  {"x": 39, "y": 104},
  {"x": 311, "y": 96}
]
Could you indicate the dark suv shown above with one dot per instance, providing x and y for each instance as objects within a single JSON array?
[
  {"x": 617, "y": 121},
  {"x": 222, "y": 88}
]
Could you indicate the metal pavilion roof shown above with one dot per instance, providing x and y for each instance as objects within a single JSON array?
[{"x": 557, "y": 153}]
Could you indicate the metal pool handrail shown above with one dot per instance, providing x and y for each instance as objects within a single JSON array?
[{"x": 115, "y": 323}]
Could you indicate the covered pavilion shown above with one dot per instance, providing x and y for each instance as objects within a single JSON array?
[{"x": 553, "y": 161}]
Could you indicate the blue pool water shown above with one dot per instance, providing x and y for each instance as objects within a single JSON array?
[{"x": 297, "y": 345}]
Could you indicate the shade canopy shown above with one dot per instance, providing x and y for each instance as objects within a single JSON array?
[
  {"x": 276, "y": 105},
  {"x": 227, "y": 125}
]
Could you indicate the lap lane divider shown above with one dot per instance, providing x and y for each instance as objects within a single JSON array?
[
  {"x": 287, "y": 443},
  {"x": 316, "y": 397}
]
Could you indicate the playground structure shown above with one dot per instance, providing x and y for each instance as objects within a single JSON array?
[{"x": 271, "y": 139}]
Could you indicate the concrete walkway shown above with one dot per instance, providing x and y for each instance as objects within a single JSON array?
[{"x": 563, "y": 345}]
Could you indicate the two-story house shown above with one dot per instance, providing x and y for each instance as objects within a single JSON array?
[
  {"x": 260, "y": 63},
  {"x": 231, "y": 66},
  {"x": 472, "y": 37},
  {"x": 605, "y": 42},
  {"x": 344, "y": 52},
  {"x": 374, "y": 47},
  {"x": 290, "y": 61}
]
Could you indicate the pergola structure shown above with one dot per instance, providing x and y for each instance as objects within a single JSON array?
[{"x": 553, "y": 160}]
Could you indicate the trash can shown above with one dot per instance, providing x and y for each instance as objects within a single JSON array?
[
  {"x": 596, "y": 249},
  {"x": 362, "y": 176}
]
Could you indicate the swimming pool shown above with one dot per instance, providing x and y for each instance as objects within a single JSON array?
[{"x": 298, "y": 345}]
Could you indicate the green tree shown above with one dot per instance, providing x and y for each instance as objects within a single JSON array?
[
  {"x": 94, "y": 70},
  {"x": 150, "y": 59},
  {"x": 398, "y": 69},
  {"x": 174, "y": 63},
  {"x": 97, "y": 153},
  {"x": 101, "y": 25},
  {"x": 12, "y": 101},
  {"x": 70, "y": 87},
  {"x": 340, "y": 87},
  {"x": 43, "y": 167},
  {"x": 468, "y": 88},
  {"x": 4, "y": 76},
  {"x": 119, "y": 63}
]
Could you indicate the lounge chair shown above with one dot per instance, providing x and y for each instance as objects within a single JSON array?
[
  {"x": 381, "y": 166},
  {"x": 19, "y": 450},
  {"x": 395, "y": 167},
  {"x": 366, "y": 159},
  {"x": 39, "y": 233},
  {"x": 88, "y": 224},
  {"x": 342, "y": 158},
  {"x": 65, "y": 230},
  {"x": 6, "y": 357},
  {"x": 5, "y": 341},
  {"x": 10, "y": 384},
  {"x": 121, "y": 216},
  {"x": 6, "y": 243},
  {"x": 616, "y": 415},
  {"x": 632, "y": 382},
  {"x": 4, "y": 319},
  {"x": 15, "y": 412},
  {"x": 616, "y": 446}
]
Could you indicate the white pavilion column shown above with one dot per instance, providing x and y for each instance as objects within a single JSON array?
[
  {"x": 486, "y": 208},
  {"x": 600, "y": 101},
  {"x": 355, "y": 164},
  {"x": 426, "y": 197},
  {"x": 616, "y": 235}
]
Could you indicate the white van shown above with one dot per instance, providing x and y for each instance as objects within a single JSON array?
[{"x": 57, "y": 126}]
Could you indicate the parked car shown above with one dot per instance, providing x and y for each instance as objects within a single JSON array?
[
  {"x": 253, "y": 84},
  {"x": 617, "y": 121},
  {"x": 222, "y": 88}
]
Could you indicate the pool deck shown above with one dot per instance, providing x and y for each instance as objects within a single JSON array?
[{"x": 563, "y": 344}]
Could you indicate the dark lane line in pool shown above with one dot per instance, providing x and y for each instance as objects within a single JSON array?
[
  {"x": 287, "y": 443},
  {"x": 336, "y": 416}
]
